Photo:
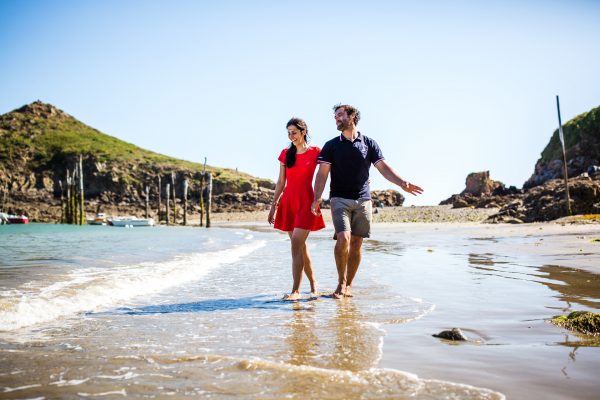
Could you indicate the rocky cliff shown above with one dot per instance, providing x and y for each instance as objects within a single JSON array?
[
  {"x": 582, "y": 148},
  {"x": 39, "y": 143},
  {"x": 543, "y": 196}
]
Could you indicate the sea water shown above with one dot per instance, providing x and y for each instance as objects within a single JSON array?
[{"x": 106, "y": 312}]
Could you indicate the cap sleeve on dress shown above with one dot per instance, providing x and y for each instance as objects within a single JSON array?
[{"x": 282, "y": 156}]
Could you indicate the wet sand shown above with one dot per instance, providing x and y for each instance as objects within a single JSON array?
[{"x": 500, "y": 284}]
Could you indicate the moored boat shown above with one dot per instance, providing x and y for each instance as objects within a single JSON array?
[
  {"x": 131, "y": 221},
  {"x": 17, "y": 219},
  {"x": 100, "y": 219}
]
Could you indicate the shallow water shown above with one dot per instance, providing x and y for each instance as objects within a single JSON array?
[{"x": 109, "y": 312}]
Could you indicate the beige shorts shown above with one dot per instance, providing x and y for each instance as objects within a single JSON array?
[{"x": 351, "y": 215}]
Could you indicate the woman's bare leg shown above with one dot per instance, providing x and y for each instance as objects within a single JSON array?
[
  {"x": 308, "y": 270},
  {"x": 298, "y": 238}
]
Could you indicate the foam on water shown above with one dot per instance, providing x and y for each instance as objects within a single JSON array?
[{"x": 93, "y": 289}]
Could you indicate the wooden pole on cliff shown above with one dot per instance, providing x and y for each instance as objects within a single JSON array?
[
  {"x": 81, "y": 196},
  {"x": 159, "y": 201},
  {"x": 562, "y": 142},
  {"x": 185, "y": 193},
  {"x": 167, "y": 206},
  {"x": 208, "y": 198}
]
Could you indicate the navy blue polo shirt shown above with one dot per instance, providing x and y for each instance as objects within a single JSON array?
[{"x": 350, "y": 162}]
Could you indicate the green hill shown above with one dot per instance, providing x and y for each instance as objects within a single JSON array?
[{"x": 39, "y": 142}]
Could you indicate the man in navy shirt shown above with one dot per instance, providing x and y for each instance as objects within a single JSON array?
[{"x": 348, "y": 157}]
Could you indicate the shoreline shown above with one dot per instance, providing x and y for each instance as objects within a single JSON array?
[{"x": 564, "y": 242}]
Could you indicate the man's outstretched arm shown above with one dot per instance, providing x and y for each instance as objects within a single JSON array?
[
  {"x": 391, "y": 175},
  {"x": 320, "y": 182}
]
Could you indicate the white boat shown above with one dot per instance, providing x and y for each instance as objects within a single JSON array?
[
  {"x": 100, "y": 219},
  {"x": 130, "y": 222}
]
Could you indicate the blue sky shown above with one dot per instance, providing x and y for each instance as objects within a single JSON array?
[{"x": 446, "y": 88}]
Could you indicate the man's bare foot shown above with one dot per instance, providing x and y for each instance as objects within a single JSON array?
[
  {"x": 339, "y": 292},
  {"x": 348, "y": 292},
  {"x": 292, "y": 296}
]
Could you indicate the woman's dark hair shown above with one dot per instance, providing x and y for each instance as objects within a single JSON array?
[{"x": 290, "y": 157}]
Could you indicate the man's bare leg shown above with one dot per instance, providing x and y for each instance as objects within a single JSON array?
[
  {"x": 354, "y": 258},
  {"x": 298, "y": 238},
  {"x": 341, "y": 261}
]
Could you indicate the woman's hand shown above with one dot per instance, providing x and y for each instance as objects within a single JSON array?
[{"x": 271, "y": 218}]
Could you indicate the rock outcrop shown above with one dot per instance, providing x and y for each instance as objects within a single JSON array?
[
  {"x": 548, "y": 201},
  {"x": 482, "y": 192}
]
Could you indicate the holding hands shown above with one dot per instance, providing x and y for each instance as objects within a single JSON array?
[{"x": 315, "y": 208}]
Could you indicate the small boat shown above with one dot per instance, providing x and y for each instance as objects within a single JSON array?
[
  {"x": 100, "y": 219},
  {"x": 17, "y": 219},
  {"x": 130, "y": 222}
]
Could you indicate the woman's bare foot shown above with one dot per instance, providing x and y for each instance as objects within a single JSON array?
[
  {"x": 348, "y": 292},
  {"x": 313, "y": 288},
  {"x": 292, "y": 296}
]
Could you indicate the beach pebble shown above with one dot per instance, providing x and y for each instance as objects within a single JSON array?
[{"x": 453, "y": 334}]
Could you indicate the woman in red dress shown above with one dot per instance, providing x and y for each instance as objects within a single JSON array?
[{"x": 291, "y": 212}]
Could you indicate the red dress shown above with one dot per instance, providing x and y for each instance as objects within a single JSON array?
[{"x": 294, "y": 207}]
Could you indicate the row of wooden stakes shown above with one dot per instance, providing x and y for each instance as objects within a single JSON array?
[{"x": 72, "y": 198}]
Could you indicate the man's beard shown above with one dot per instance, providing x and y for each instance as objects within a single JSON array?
[{"x": 343, "y": 126}]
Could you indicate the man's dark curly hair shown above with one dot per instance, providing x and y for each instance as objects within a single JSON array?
[{"x": 350, "y": 110}]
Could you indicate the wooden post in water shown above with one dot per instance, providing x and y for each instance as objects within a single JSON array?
[
  {"x": 62, "y": 202},
  {"x": 147, "y": 195},
  {"x": 4, "y": 191},
  {"x": 208, "y": 198},
  {"x": 565, "y": 172},
  {"x": 185, "y": 193},
  {"x": 202, "y": 193},
  {"x": 81, "y": 194},
  {"x": 74, "y": 196},
  {"x": 174, "y": 198},
  {"x": 202, "y": 199},
  {"x": 159, "y": 195},
  {"x": 167, "y": 206},
  {"x": 68, "y": 199}
]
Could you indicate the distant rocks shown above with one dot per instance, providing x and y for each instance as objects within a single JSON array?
[
  {"x": 483, "y": 192},
  {"x": 543, "y": 195},
  {"x": 387, "y": 198},
  {"x": 548, "y": 201}
]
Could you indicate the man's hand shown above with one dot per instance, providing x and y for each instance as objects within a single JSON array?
[
  {"x": 316, "y": 207},
  {"x": 410, "y": 188}
]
